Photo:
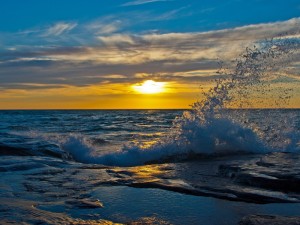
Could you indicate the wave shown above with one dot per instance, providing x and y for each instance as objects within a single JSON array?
[
  {"x": 206, "y": 129},
  {"x": 10, "y": 150},
  {"x": 219, "y": 137},
  {"x": 33, "y": 143}
]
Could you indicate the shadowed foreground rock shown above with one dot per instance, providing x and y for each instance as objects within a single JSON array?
[
  {"x": 269, "y": 220},
  {"x": 261, "y": 179}
]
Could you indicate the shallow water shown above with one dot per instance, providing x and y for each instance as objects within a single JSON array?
[{"x": 51, "y": 191}]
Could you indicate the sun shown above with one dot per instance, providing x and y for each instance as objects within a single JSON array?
[{"x": 149, "y": 87}]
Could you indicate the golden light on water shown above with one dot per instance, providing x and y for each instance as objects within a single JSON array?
[{"x": 149, "y": 87}]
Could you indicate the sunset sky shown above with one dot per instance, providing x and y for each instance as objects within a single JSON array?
[{"x": 118, "y": 54}]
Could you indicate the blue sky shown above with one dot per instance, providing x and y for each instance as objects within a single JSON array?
[
  {"x": 176, "y": 15},
  {"x": 54, "y": 44}
]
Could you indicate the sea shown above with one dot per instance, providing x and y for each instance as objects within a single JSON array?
[{"x": 135, "y": 167}]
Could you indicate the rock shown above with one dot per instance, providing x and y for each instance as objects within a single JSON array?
[
  {"x": 86, "y": 203},
  {"x": 250, "y": 178},
  {"x": 269, "y": 220},
  {"x": 277, "y": 172}
]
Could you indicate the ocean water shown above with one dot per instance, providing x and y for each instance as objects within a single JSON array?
[
  {"x": 86, "y": 135},
  {"x": 101, "y": 131},
  {"x": 137, "y": 137},
  {"x": 57, "y": 165}
]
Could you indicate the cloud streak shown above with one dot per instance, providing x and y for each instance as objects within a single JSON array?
[
  {"x": 59, "y": 28},
  {"x": 142, "y": 2}
]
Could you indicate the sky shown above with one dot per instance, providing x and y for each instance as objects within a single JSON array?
[{"x": 76, "y": 54}]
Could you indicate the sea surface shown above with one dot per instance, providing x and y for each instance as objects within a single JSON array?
[{"x": 147, "y": 166}]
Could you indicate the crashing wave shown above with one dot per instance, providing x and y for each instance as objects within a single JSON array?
[{"x": 209, "y": 128}]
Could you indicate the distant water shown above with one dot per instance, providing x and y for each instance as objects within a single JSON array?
[
  {"x": 135, "y": 137},
  {"x": 62, "y": 132}
]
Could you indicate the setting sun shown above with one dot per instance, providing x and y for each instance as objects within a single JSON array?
[{"x": 149, "y": 87}]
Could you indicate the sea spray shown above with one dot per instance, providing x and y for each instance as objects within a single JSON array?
[
  {"x": 210, "y": 127},
  {"x": 246, "y": 84}
]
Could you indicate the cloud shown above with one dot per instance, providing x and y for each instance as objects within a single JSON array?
[
  {"x": 142, "y": 2},
  {"x": 105, "y": 25},
  {"x": 121, "y": 48},
  {"x": 59, "y": 28},
  {"x": 117, "y": 40},
  {"x": 168, "y": 15},
  {"x": 119, "y": 57},
  {"x": 66, "y": 33},
  {"x": 31, "y": 86}
]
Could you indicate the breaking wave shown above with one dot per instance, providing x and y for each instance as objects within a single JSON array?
[{"x": 209, "y": 128}]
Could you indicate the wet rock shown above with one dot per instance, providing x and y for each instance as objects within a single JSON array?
[
  {"x": 85, "y": 203},
  {"x": 277, "y": 172},
  {"x": 249, "y": 178},
  {"x": 149, "y": 221},
  {"x": 269, "y": 220}
]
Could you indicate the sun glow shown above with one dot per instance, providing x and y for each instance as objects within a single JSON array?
[{"x": 149, "y": 87}]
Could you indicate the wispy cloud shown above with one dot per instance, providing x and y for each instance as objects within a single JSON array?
[
  {"x": 142, "y": 2},
  {"x": 85, "y": 33},
  {"x": 59, "y": 28},
  {"x": 169, "y": 15},
  {"x": 105, "y": 25}
]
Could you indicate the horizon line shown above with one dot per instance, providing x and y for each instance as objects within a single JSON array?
[{"x": 109, "y": 109}]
